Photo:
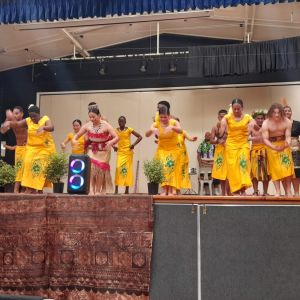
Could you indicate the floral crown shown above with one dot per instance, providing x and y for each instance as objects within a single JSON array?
[{"x": 259, "y": 112}]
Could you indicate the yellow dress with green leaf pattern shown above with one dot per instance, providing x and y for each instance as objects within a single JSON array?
[
  {"x": 237, "y": 153},
  {"x": 168, "y": 151},
  {"x": 185, "y": 182},
  {"x": 124, "y": 174},
  {"x": 38, "y": 149}
]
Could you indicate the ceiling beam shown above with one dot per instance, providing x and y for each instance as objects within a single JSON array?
[
  {"x": 116, "y": 20},
  {"x": 75, "y": 42}
]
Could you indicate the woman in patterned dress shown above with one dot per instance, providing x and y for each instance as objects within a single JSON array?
[{"x": 100, "y": 137}]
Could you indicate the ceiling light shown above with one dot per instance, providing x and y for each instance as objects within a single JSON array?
[
  {"x": 143, "y": 66},
  {"x": 102, "y": 69},
  {"x": 172, "y": 66}
]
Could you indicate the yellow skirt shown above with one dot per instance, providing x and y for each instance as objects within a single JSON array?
[
  {"x": 280, "y": 164},
  {"x": 185, "y": 182},
  {"x": 19, "y": 162},
  {"x": 238, "y": 168},
  {"x": 219, "y": 170},
  {"x": 171, "y": 162},
  {"x": 35, "y": 161},
  {"x": 259, "y": 170},
  {"x": 124, "y": 174}
]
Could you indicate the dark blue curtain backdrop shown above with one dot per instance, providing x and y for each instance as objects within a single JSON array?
[
  {"x": 18, "y": 11},
  {"x": 242, "y": 59}
]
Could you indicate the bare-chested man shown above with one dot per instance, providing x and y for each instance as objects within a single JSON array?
[
  {"x": 276, "y": 131},
  {"x": 258, "y": 154},
  {"x": 21, "y": 140},
  {"x": 219, "y": 166}
]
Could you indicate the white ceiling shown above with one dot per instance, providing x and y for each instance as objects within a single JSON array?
[{"x": 21, "y": 44}]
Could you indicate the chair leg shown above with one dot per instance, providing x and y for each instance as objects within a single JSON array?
[
  {"x": 202, "y": 187},
  {"x": 210, "y": 188}
]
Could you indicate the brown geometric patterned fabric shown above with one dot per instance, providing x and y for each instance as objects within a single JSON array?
[{"x": 76, "y": 247}]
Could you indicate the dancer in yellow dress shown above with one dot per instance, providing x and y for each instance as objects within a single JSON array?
[
  {"x": 19, "y": 148},
  {"x": 124, "y": 149},
  {"x": 40, "y": 145},
  {"x": 219, "y": 170},
  {"x": 185, "y": 182},
  {"x": 295, "y": 147},
  {"x": 100, "y": 137},
  {"x": 79, "y": 148},
  {"x": 168, "y": 150},
  {"x": 237, "y": 148},
  {"x": 276, "y": 131},
  {"x": 162, "y": 103},
  {"x": 258, "y": 155}
]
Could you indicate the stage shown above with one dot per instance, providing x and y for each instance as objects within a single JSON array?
[{"x": 62, "y": 246}]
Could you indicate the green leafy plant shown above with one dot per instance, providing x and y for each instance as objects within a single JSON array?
[
  {"x": 7, "y": 173},
  {"x": 154, "y": 170},
  {"x": 57, "y": 167}
]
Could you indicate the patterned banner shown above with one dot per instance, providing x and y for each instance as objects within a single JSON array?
[{"x": 76, "y": 247}]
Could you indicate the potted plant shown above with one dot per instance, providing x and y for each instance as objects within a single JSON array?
[
  {"x": 7, "y": 176},
  {"x": 154, "y": 172},
  {"x": 56, "y": 169}
]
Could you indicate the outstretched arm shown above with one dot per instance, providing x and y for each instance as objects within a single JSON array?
[
  {"x": 8, "y": 147},
  {"x": 65, "y": 142},
  {"x": 14, "y": 124},
  {"x": 4, "y": 128},
  {"x": 189, "y": 137},
  {"x": 151, "y": 130}
]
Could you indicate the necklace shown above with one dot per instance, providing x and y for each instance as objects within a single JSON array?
[{"x": 96, "y": 128}]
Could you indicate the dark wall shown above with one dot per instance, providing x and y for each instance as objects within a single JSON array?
[
  {"x": 246, "y": 253},
  {"x": 19, "y": 86}
]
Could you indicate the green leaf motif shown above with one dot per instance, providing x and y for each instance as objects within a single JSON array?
[
  {"x": 124, "y": 170},
  {"x": 18, "y": 165},
  {"x": 285, "y": 160},
  {"x": 219, "y": 161},
  {"x": 36, "y": 168},
  {"x": 243, "y": 163},
  {"x": 170, "y": 163}
]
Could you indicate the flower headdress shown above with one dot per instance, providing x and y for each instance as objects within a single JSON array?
[{"x": 259, "y": 112}]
